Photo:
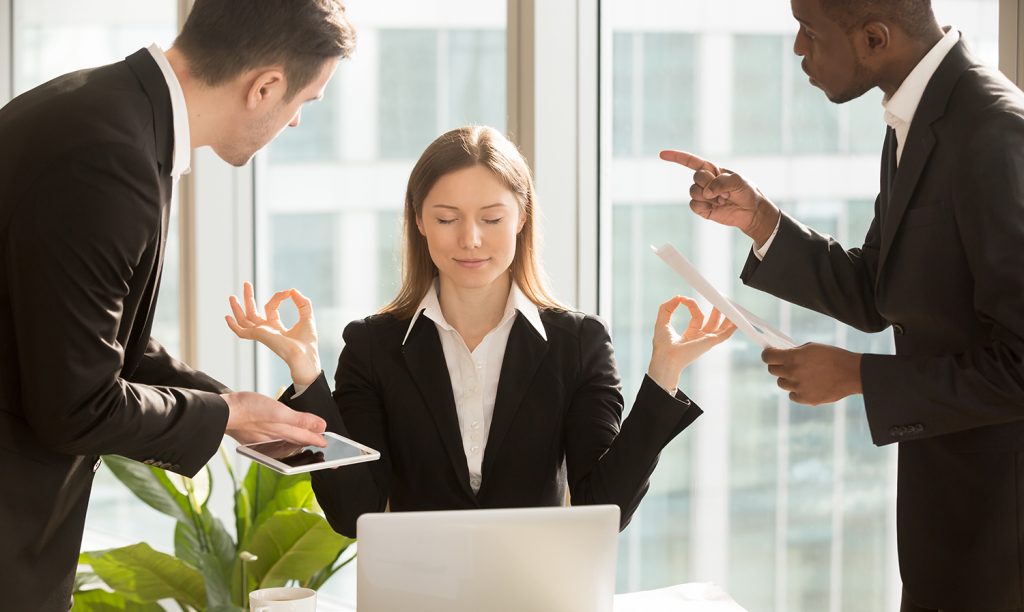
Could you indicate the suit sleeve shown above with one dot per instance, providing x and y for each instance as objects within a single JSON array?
[
  {"x": 356, "y": 412},
  {"x": 606, "y": 463},
  {"x": 159, "y": 368},
  {"x": 814, "y": 271},
  {"x": 74, "y": 242},
  {"x": 985, "y": 384}
]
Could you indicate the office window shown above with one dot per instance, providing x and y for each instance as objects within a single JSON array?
[
  {"x": 434, "y": 79},
  {"x": 318, "y": 140},
  {"x": 757, "y": 120},
  {"x": 52, "y": 37},
  {"x": 791, "y": 508},
  {"x": 655, "y": 99}
]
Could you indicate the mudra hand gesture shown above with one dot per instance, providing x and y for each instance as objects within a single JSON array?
[
  {"x": 673, "y": 351},
  {"x": 296, "y": 345}
]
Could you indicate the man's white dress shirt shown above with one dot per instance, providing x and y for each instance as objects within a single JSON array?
[{"x": 182, "y": 155}]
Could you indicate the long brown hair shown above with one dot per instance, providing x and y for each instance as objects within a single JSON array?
[{"x": 462, "y": 148}]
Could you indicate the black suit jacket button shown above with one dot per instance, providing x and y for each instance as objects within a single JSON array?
[
  {"x": 898, "y": 329},
  {"x": 895, "y": 431},
  {"x": 918, "y": 428}
]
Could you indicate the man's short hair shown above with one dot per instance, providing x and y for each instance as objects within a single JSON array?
[
  {"x": 913, "y": 16},
  {"x": 221, "y": 39}
]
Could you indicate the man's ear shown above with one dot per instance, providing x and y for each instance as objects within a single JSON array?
[
  {"x": 265, "y": 86},
  {"x": 876, "y": 37}
]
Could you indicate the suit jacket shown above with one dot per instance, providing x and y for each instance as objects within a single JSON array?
[
  {"x": 84, "y": 201},
  {"x": 943, "y": 264},
  {"x": 557, "y": 422}
]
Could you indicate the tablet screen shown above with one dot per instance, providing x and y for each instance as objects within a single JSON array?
[{"x": 294, "y": 455}]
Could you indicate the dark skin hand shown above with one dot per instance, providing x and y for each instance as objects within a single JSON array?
[{"x": 815, "y": 374}]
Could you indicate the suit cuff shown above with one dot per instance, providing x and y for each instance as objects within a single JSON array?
[
  {"x": 316, "y": 399},
  {"x": 674, "y": 412},
  {"x": 209, "y": 415},
  {"x": 886, "y": 407}
]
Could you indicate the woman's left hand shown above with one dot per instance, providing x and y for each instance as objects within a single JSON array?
[{"x": 673, "y": 352}]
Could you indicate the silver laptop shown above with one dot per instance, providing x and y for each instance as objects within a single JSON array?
[{"x": 551, "y": 559}]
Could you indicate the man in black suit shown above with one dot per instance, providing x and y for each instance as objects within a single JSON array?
[
  {"x": 87, "y": 165},
  {"x": 942, "y": 263}
]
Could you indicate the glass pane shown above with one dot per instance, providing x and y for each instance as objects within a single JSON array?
[
  {"x": 790, "y": 508},
  {"x": 53, "y": 37},
  {"x": 328, "y": 217}
]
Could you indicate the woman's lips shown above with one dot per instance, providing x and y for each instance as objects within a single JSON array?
[{"x": 472, "y": 263}]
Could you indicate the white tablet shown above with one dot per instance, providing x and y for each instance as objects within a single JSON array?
[{"x": 290, "y": 458}]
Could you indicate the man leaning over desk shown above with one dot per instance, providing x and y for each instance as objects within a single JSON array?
[{"x": 87, "y": 165}]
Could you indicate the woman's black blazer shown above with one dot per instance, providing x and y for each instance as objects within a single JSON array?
[{"x": 557, "y": 421}]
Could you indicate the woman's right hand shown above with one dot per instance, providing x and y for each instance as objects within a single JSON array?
[{"x": 296, "y": 345}]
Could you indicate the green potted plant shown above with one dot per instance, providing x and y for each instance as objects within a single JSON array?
[{"x": 281, "y": 538}]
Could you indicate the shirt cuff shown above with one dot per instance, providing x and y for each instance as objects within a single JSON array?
[
  {"x": 761, "y": 252},
  {"x": 299, "y": 389}
]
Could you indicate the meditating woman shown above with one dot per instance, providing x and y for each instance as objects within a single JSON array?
[{"x": 478, "y": 388}]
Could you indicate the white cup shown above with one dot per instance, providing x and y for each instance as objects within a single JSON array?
[{"x": 283, "y": 599}]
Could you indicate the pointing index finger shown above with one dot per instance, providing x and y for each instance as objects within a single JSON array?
[{"x": 691, "y": 161}]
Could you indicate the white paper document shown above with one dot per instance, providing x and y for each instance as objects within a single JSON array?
[{"x": 750, "y": 324}]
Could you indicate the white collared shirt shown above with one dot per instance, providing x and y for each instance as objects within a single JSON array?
[
  {"x": 474, "y": 374},
  {"x": 901, "y": 107},
  {"x": 182, "y": 148}
]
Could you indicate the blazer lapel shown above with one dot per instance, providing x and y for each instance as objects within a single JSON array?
[
  {"x": 425, "y": 359},
  {"x": 523, "y": 355},
  {"x": 919, "y": 145}
]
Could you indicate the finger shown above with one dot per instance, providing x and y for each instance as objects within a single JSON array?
[
  {"x": 726, "y": 326},
  {"x": 775, "y": 356},
  {"x": 778, "y": 371},
  {"x": 250, "y": 303},
  {"x": 717, "y": 338},
  {"x": 702, "y": 178},
  {"x": 697, "y": 191},
  {"x": 714, "y": 321},
  {"x": 723, "y": 185},
  {"x": 272, "y": 306},
  {"x": 300, "y": 435},
  {"x": 665, "y": 312},
  {"x": 689, "y": 160},
  {"x": 302, "y": 304},
  {"x": 787, "y": 385},
  {"x": 240, "y": 316},
  {"x": 240, "y": 331},
  {"x": 701, "y": 207},
  {"x": 696, "y": 316}
]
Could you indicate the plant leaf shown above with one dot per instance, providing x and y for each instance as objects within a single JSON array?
[
  {"x": 293, "y": 545},
  {"x": 216, "y": 565},
  {"x": 269, "y": 491},
  {"x": 145, "y": 575},
  {"x": 151, "y": 485},
  {"x": 98, "y": 600}
]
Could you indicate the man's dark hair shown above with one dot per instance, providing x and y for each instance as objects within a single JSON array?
[
  {"x": 222, "y": 39},
  {"x": 913, "y": 16}
]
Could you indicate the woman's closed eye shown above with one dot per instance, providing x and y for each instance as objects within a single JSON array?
[
  {"x": 493, "y": 221},
  {"x": 444, "y": 221}
]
